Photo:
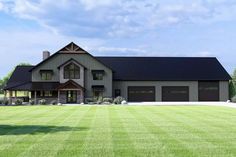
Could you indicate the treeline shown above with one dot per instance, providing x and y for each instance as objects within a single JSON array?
[{"x": 232, "y": 85}]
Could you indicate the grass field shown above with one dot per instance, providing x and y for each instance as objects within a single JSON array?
[{"x": 108, "y": 131}]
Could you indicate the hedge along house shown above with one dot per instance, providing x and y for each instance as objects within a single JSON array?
[{"x": 72, "y": 74}]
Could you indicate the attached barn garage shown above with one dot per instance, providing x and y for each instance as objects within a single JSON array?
[
  {"x": 141, "y": 93},
  {"x": 208, "y": 91},
  {"x": 175, "y": 93}
]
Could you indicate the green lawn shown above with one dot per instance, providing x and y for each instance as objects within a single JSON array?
[{"x": 108, "y": 131}]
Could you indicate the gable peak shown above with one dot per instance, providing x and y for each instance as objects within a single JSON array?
[{"x": 72, "y": 48}]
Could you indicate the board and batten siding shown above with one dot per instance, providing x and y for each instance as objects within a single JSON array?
[
  {"x": 193, "y": 88},
  {"x": 88, "y": 62}
]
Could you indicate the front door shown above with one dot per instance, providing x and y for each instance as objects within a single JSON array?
[{"x": 72, "y": 96}]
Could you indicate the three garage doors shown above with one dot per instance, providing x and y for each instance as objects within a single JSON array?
[{"x": 207, "y": 91}]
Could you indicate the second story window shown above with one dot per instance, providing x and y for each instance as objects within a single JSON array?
[
  {"x": 98, "y": 74},
  {"x": 71, "y": 71},
  {"x": 46, "y": 75}
]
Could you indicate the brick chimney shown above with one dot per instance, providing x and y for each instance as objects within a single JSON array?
[{"x": 46, "y": 54}]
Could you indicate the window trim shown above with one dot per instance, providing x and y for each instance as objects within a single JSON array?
[
  {"x": 46, "y": 75},
  {"x": 98, "y": 76},
  {"x": 72, "y": 73}
]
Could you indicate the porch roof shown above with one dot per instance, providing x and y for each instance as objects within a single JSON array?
[{"x": 69, "y": 85}]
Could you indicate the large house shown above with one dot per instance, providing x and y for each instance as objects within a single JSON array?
[{"x": 72, "y": 74}]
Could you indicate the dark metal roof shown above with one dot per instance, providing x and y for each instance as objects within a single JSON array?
[
  {"x": 20, "y": 77},
  {"x": 45, "y": 85},
  {"x": 137, "y": 69},
  {"x": 165, "y": 68}
]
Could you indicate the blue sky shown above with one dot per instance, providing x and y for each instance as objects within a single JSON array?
[{"x": 118, "y": 28}]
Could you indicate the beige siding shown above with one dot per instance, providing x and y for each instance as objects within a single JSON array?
[
  {"x": 193, "y": 88},
  {"x": 224, "y": 90}
]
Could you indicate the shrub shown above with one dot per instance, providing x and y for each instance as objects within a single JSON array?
[
  {"x": 54, "y": 102},
  {"x": 89, "y": 100},
  {"x": 232, "y": 89},
  {"x": 1, "y": 100},
  {"x": 31, "y": 102},
  {"x": 42, "y": 102},
  {"x": 6, "y": 102},
  {"x": 118, "y": 100},
  {"x": 18, "y": 102},
  {"x": 233, "y": 99},
  {"x": 107, "y": 100},
  {"x": 99, "y": 100}
]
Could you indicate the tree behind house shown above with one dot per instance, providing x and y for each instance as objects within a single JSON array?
[{"x": 232, "y": 85}]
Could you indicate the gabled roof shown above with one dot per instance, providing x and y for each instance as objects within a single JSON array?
[
  {"x": 71, "y": 48},
  {"x": 70, "y": 85},
  {"x": 138, "y": 69},
  {"x": 70, "y": 60},
  {"x": 165, "y": 68}
]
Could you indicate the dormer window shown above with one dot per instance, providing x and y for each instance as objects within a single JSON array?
[
  {"x": 71, "y": 71},
  {"x": 98, "y": 74},
  {"x": 46, "y": 74}
]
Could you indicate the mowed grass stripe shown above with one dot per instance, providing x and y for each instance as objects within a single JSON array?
[
  {"x": 74, "y": 145},
  {"x": 72, "y": 122},
  {"x": 223, "y": 145},
  {"x": 122, "y": 144},
  {"x": 119, "y": 131},
  {"x": 49, "y": 141},
  {"x": 23, "y": 115},
  {"x": 98, "y": 142},
  {"x": 27, "y": 138},
  {"x": 165, "y": 134},
  {"x": 189, "y": 134},
  {"x": 144, "y": 141},
  {"x": 16, "y": 130}
]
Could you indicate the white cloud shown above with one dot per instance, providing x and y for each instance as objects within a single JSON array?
[
  {"x": 1, "y": 6},
  {"x": 27, "y": 46},
  {"x": 91, "y": 4},
  {"x": 118, "y": 18}
]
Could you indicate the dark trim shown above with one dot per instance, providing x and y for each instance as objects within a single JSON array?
[
  {"x": 98, "y": 71},
  {"x": 97, "y": 86},
  {"x": 46, "y": 70}
]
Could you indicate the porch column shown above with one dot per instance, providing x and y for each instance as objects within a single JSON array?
[
  {"x": 15, "y": 95},
  {"x": 58, "y": 98},
  {"x": 5, "y": 94},
  {"x": 10, "y": 97},
  {"x": 82, "y": 96},
  {"x": 35, "y": 97}
]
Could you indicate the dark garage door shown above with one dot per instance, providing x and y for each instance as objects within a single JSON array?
[
  {"x": 208, "y": 91},
  {"x": 141, "y": 93},
  {"x": 175, "y": 93}
]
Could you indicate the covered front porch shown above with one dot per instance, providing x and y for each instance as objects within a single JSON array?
[{"x": 69, "y": 92}]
